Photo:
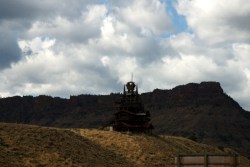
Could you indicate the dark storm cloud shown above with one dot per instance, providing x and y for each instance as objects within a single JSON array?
[
  {"x": 148, "y": 51},
  {"x": 9, "y": 50},
  {"x": 15, "y": 9},
  {"x": 18, "y": 16},
  {"x": 19, "y": 9},
  {"x": 240, "y": 22}
]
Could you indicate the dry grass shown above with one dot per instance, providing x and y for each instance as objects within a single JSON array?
[
  {"x": 25, "y": 145},
  {"x": 143, "y": 150}
]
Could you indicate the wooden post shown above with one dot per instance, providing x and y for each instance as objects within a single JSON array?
[
  {"x": 178, "y": 159},
  {"x": 235, "y": 163},
  {"x": 205, "y": 159}
]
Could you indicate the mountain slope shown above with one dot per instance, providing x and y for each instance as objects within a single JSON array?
[
  {"x": 25, "y": 145},
  {"x": 201, "y": 112}
]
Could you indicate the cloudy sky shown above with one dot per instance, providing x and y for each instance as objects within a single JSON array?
[{"x": 64, "y": 48}]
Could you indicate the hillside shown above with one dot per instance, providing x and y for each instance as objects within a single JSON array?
[
  {"x": 26, "y": 145},
  {"x": 202, "y": 112}
]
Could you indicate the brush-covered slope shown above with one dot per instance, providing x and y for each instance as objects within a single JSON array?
[
  {"x": 202, "y": 112},
  {"x": 25, "y": 145}
]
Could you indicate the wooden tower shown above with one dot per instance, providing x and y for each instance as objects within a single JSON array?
[{"x": 130, "y": 114}]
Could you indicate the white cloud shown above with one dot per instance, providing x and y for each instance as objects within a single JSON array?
[
  {"x": 36, "y": 44},
  {"x": 242, "y": 50},
  {"x": 217, "y": 21},
  {"x": 147, "y": 15}
]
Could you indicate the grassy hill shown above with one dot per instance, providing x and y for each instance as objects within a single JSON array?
[
  {"x": 26, "y": 145},
  {"x": 22, "y": 145}
]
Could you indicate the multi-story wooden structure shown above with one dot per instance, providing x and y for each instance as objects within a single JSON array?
[{"x": 130, "y": 114}]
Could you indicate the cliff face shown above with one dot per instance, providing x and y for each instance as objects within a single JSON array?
[
  {"x": 88, "y": 111},
  {"x": 202, "y": 112}
]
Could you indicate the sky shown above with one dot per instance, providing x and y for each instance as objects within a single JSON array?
[{"x": 62, "y": 48}]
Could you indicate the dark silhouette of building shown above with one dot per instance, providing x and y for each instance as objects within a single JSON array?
[{"x": 130, "y": 114}]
